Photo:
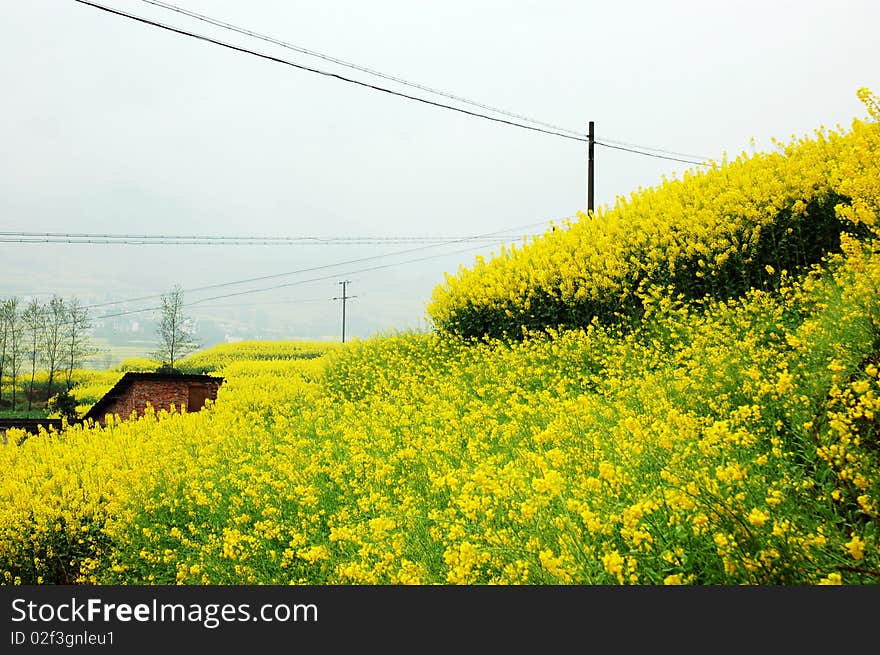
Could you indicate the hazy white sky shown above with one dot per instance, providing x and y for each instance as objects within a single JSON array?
[{"x": 113, "y": 126}]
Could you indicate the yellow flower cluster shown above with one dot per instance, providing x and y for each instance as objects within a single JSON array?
[
  {"x": 728, "y": 445},
  {"x": 719, "y": 232},
  {"x": 728, "y": 442}
]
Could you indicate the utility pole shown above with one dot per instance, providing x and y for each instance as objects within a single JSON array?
[
  {"x": 591, "y": 140},
  {"x": 344, "y": 298}
]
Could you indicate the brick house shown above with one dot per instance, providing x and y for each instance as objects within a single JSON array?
[{"x": 135, "y": 391}]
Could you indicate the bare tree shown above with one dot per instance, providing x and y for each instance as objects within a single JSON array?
[
  {"x": 76, "y": 344},
  {"x": 55, "y": 316},
  {"x": 10, "y": 314},
  {"x": 33, "y": 317},
  {"x": 175, "y": 329},
  {"x": 4, "y": 340}
]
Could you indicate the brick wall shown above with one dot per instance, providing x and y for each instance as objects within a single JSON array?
[{"x": 161, "y": 394}]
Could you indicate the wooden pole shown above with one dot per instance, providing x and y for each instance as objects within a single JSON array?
[{"x": 591, "y": 140}]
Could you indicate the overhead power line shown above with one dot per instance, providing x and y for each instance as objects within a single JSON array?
[
  {"x": 263, "y": 303},
  {"x": 650, "y": 154},
  {"x": 334, "y": 275},
  {"x": 130, "y": 312},
  {"x": 562, "y": 132},
  {"x": 289, "y": 284},
  {"x": 312, "y": 269},
  {"x": 357, "y": 67},
  {"x": 371, "y": 71},
  {"x": 496, "y": 234},
  {"x": 650, "y": 149},
  {"x": 167, "y": 239},
  {"x": 231, "y": 46}
]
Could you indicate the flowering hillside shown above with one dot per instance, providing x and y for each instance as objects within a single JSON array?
[
  {"x": 718, "y": 233},
  {"x": 727, "y": 436}
]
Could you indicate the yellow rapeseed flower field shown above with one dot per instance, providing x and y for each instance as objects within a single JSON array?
[
  {"x": 739, "y": 226},
  {"x": 726, "y": 437}
]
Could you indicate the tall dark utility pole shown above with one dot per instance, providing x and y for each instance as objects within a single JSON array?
[
  {"x": 591, "y": 140},
  {"x": 344, "y": 298}
]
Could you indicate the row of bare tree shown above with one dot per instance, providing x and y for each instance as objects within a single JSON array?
[{"x": 51, "y": 336}]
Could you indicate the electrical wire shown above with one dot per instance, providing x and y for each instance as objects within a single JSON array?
[
  {"x": 320, "y": 267},
  {"x": 363, "y": 69},
  {"x": 335, "y": 275},
  {"x": 279, "y": 60},
  {"x": 288, "y": 284},
  {"x": 648, "y": 154},
  {"x": 393, "y": 78},
  {"x": 145, "y": 239},
  {"x": 268, "y": 302},
  {"x": 576, "y": 136},
  {"x": 660, "y": 150}
]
